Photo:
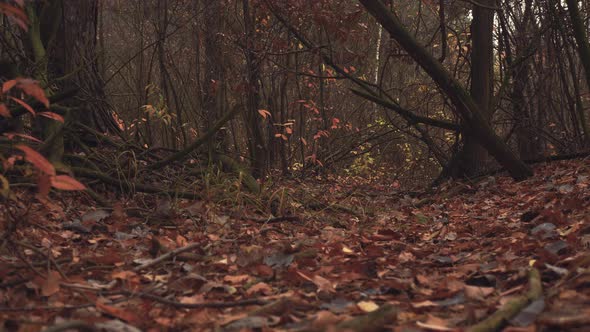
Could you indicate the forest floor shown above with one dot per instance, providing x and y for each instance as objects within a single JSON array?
[{"x": 356, "y": 257}]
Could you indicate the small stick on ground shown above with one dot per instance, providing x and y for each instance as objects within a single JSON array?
[
  {"x": 176, "y": 304},
  {"x": 166, "y": 256},
  {"x": 274, "y": 219}
]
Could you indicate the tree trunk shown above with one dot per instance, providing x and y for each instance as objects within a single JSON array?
[
  {"x": 75, "y": 56},
  {"x": 584, "y": 50},
  {"x": 475, "y": 123},
  {"x": 472, "y": 157},
  {"x": 213, "y": 85},
  {"x": 255, "y": 137}
]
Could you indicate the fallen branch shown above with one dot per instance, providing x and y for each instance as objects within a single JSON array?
[
  {"x": 136, "y": 186},
  {"x": 166, "y": 256},
  {"x": 510, "y": 309},
  {"x": 178, "y": 156}
]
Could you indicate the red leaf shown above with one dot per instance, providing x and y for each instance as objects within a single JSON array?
[
  {"x": 52, "y": 115},
  {"x": 37, "y": 159},
  {"x": 8, "y": 85},
  {"x": 117, "y": 312},
  {"x": 65, "y": 182},
  {"x": 264, "y": 113},
  {"x": 32, "y": 88},
  {"x": 31, "y": 138},
  {"x": 4, "y": 111},
  {"x": 15, "y": 13},
  {"x": 23, "y": 104}
]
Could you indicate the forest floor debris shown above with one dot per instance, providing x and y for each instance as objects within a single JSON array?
[{"x": 361, "y": 260}]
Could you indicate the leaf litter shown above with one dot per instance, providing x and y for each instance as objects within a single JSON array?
[{"x": 355, "y": 259}]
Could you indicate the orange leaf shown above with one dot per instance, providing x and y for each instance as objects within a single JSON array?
[
  {"x": 264, "y": 113},
  {"x": 29, "y": 137},
  {"x": 17, "y": 14},
  {"x": 261, "y": 287},
  {"x": 239, "y": 279},
  {"x": 51, "y": 284},
  {"x": 117, "y": 312},
  {"x": 4, "y": 111},
  {"x": 8, "y": 85},
  {"x": 32, "y": 88},
  {"x": 52, "y": 115},
  {"x": 23, "y": 104},
  {"x": 37, "y": 159},
  {"x": 65, "y": 182}
]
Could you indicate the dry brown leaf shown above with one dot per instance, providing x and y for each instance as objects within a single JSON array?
[{"x": 51, "y": 284}]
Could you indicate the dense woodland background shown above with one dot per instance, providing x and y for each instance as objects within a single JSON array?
[
  {"x": 309, "y": 165},
  {"x": 310, "y": 86}
]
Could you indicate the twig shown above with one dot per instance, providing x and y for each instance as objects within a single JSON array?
[
  {"x": 136, "y": 186},
  {"x": 167, "y": 256},
  {"x": 180, "y": 155},
  {"x": 274, "y": 219},
  {"x": 48, "y": 256},
  {"x": 176, "y": 304},
  {"x": 565, "y": 321},
  {"x": 58, "y": 308}
]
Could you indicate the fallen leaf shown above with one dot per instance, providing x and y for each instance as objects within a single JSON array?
[
  {"x": 51, "y": 284},
  {"x": 260, "y": 288},
  {"x": 477, "y": 293},
  {"x": 117, "y": 312},
  {"x": 367, "y": 306},
  {"x": 239, "y": 279},
  {"x": 435, "y": 324}
]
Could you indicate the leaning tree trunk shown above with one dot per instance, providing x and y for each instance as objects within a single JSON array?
[{"x": 474, "y": 121}]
